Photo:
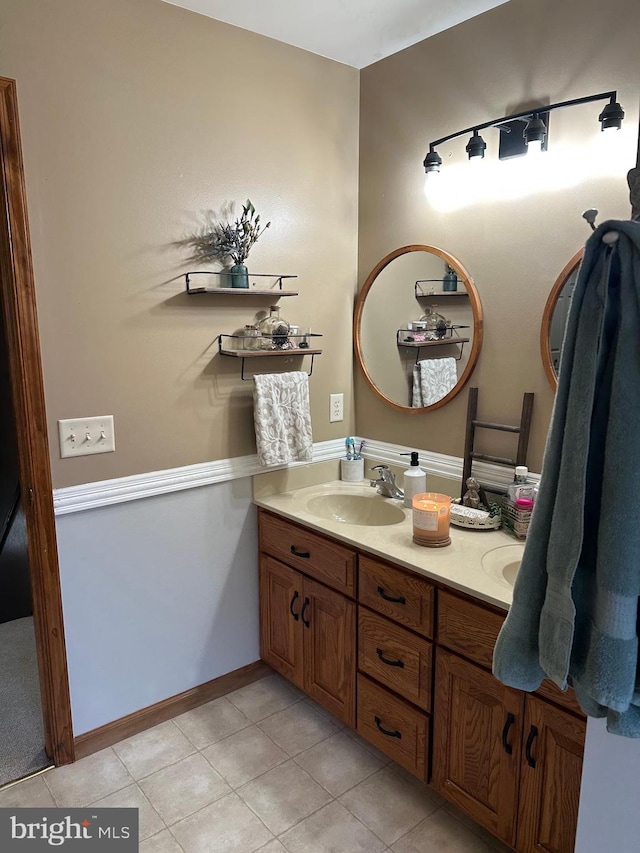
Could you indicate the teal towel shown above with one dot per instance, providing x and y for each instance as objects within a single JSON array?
[{"x": 574, "y": 616}]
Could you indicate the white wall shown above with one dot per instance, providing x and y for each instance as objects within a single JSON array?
[
  {"x": 609, "y": 817},
  {"x": 159, "y": 595}
]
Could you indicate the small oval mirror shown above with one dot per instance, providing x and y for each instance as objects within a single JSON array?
[
  {"x": 417, "y": 328},
  {"x": 554, "y": 319}
]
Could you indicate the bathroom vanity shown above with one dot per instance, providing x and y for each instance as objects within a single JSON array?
[{"x": 396, "y": 640}]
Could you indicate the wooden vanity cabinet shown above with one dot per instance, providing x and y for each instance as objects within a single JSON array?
[
  {"x": 409, "y": 666},
  {"x": 307, "y": 630},
  {"x": 511, "y": 760}
]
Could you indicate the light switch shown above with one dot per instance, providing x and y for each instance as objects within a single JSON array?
[{"x": 85, "y": 436}]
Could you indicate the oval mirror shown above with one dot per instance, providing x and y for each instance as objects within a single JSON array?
[
  {"x": 417, "y": 328},
  {"x": 555, "y": 316}
]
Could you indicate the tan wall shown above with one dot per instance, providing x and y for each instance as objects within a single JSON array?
[
  {"x": 510, "y": 58},
  {"x": 137, "y": 117}
]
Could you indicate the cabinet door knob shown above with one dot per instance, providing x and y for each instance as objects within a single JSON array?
[
  {"x": 399, "y": 600},
  {"x": 388, "y": 662},
  {"x": 297, "y": 553},
  {"x": 533, "y": 734},
  {"x": 305, "y": 604},
  {"x": 295, "y": 615},
  {"x": 386, "y": 731},
  {"x": 505, "y": 733}
]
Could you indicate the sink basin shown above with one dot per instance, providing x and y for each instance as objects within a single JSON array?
[
  {"x": 371, "y": 511},
  {"x": 502, "y": 563}
]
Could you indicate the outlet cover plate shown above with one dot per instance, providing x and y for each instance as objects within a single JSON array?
[
  {"x": 336, "y": 408},
  {"x": 86, "y": 436}
]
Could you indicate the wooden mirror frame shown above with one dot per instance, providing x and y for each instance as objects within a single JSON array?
[
  {"x": 476, "y": 309},
  {"x": 549, "y": 308}
]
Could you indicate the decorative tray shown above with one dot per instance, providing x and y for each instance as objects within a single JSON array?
[{"x": 462, "y": 516}]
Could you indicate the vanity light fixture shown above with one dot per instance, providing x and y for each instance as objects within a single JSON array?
[{"x": 524, "y": 131}]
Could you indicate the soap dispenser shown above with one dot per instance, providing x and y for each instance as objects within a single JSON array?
[{"x": 415, "y": 479}]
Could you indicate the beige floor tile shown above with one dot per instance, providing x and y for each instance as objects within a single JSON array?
[
  {"x": 297, "y": 728},
  {"x": 338, "y": 763},
  {"x": 150, "y": 822},
  {"x": 389, "y": 805},
  {"x": 264, "y": 697},
  {"x": 421, "y": 786},
  {"x": 331, "y": 830},
  {"x": 244, "y": 755},
  {"x": 384, "y": 759},
  {"x": 163, "y": 842},
  {"x": 226, "y": 826},
  {"x": 283, "y": 796},
  {"x": 212, "y": 722},
  {"x": 478, "y": 830},
  {"x": 317, "y": 707},
  {"x": 273, "y": 847},
  {"x": 182, "y": 788},
  {"x": 89, "y": 779},
  {"x": 441, "y": 832},
  {"x": 147, "y": 752},
  {"x": 31, "y": 793}
]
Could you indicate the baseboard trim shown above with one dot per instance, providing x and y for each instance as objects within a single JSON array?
[{"x": 146, "y": 718}]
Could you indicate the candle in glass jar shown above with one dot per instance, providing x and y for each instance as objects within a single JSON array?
[{"x": 431, "y": 515}]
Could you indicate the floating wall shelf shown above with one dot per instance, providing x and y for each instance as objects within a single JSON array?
[
  {"x": 270, "y": 286},
  {"x": 231, "y": 346},
  {"x": 441, "y": 294}
]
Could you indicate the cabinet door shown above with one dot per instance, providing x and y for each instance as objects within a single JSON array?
[
  {"x": 280, "y": 624},
  {"x": 551, "y": 771},
  {"x": 329, "y": 621},
  {"x": 477, "y": 734}
]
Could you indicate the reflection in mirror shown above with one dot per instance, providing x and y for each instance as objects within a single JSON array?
[
  {"x": 418, "y": 328},
  {"x": 554, "y": 319}
]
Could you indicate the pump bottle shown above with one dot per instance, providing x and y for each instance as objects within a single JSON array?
[{"x": 415, "y": 479}]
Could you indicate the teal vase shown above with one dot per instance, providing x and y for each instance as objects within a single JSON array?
[
  {"x": 239, "y": 276},
  {"x": 450, "y": 281}
]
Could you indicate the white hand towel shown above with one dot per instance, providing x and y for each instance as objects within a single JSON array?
[
  {"x": 433, "y": 378},
  {"x": 282, "y": 417}
]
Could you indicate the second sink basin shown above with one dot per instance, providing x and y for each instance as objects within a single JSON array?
[
  {"x": 371, "y": 511},
  {"x": 502, "y": 563}
]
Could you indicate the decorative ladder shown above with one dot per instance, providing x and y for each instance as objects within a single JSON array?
[{"x": 523, "y": 431}]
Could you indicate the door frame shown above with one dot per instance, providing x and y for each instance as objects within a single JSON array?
[{"x": 17, "y": 292}]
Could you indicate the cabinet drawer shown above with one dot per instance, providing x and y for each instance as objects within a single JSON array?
[
  {"x": 467, "y": 628},
  {"x": 401, "y": 596},
  {"x": 472, "y": 630},
  {"x": 395, "y": 727},
  {"x": 395, "y": 657},
  {"x": 311, "y": 553}
]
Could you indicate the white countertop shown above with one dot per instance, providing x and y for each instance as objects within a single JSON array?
[{"x": 458, "y": 565}]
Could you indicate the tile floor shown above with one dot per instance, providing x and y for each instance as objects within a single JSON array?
[{"x": 261, "y": 769}]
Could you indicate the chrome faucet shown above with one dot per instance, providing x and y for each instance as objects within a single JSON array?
[{"x": 386, "y": 483}]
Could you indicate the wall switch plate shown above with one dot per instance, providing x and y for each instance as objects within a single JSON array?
[
  {"x": 85, "y": 436},
  {"x": 336, "y": 408}
]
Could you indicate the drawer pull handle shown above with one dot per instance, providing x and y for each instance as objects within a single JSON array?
[
  {"x": 388, "y": 662},
  {"x": 305, "y": 604},
  {"x": 399, "y": 600},
  {"x": 386, "y": 731},
  {"x": 533, "y": 734},
  {"x": 296, "y": 553},
  {"x": 505, "y": 733},
  {"x": 296, "y": 616}
]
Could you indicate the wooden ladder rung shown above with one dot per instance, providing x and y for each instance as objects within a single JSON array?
[
  {"x": 503, "y": 427},
  {"x": 499, "y": 460}
]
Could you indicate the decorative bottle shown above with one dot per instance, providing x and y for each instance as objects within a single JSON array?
[
  {"x": 274, "y": 330},
  {"x": 450, "y": 280}
]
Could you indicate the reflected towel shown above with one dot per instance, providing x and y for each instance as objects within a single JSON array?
[
  {"x": 433, "y": 378},
  {"x": 282, "y": 417}
]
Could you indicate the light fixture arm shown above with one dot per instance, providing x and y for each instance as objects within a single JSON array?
[{"x": 496, "y": 122}]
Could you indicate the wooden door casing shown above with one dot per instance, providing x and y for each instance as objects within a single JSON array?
[{"x": 477, "y": 734}]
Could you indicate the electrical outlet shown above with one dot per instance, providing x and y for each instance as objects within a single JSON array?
[
  {"x": 85, "y": 436},
  {"x": 336, "y": 408}
]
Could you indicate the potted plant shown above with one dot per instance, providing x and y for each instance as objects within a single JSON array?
[{"x": 232, "y": 240}]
